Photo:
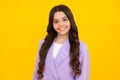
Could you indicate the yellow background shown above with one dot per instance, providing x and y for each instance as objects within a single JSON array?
[{"x": 23, "y": 23}]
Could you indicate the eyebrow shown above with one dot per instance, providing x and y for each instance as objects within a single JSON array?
[{"x": 58, "y": 19}]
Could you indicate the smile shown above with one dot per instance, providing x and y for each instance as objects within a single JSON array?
[{"x": 62, "y": 29}]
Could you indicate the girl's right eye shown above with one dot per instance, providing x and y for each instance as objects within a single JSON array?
[{"x": 55, "y": 21}]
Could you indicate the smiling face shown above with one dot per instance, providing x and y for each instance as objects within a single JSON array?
[{"x": 61, "y": 23}]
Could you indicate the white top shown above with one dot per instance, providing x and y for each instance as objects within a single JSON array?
[{"x": 56, "y": 48}]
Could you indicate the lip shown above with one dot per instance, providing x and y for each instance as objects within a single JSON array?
[{"x": 62, "y": 29}]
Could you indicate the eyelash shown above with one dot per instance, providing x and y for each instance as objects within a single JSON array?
[
  {"x": 63, "y": 20},
  {"x": 55, "y": 21}
]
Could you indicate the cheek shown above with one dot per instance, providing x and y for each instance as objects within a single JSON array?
[
  {"x": 69, "y": 25},
  {"x": 54, "y": 27}
]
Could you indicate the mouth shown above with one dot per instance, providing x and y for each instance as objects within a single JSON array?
[{"x": 62, "y": 29}]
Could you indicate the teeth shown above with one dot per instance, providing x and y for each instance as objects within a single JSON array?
[{"x": 62, "y": 29}]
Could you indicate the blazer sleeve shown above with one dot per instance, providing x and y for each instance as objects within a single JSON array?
[
  {"x": 37, "y": 61},
  {"x": 84, "y": 62}
]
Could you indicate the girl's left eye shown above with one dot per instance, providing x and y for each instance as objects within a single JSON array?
[{"x": 64, "y": 19}]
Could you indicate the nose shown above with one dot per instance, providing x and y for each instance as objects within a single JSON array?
[{"x": 61, "y": 23}]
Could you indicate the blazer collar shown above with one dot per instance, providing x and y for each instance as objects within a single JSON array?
[{"x": 62, "y": 54}]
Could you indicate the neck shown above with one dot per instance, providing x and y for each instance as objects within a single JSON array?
[{"x": 60, "y": 39}]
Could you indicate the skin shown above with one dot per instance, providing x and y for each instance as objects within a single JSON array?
[{"x": 61, "y": 25}]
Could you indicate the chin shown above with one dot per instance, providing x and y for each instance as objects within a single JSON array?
[{"x": 62, "y": 33}]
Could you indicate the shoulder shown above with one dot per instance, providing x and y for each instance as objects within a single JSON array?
[
  {"x": 83, "y": 50},
  {"x": 82, "y": 45},
  {"x": 40, "y": 43}
]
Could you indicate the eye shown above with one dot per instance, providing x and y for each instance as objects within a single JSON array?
[
  {"x": 55, "y": 21},
  {"x": 65, "y": 19}
]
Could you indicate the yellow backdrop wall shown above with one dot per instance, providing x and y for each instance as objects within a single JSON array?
[{"x": 23, "y": 23}]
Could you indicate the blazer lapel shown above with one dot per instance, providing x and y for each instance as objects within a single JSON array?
[
  {"x": 63, "y": 53},
  {"x": 50, "y": 61},
  {"x": 53, "y": 64}
]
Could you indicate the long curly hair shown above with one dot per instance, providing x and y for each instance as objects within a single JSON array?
[{"x": 73, "y": 40}]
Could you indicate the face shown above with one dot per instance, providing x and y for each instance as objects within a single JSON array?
[{"x": 61, "y": 23}]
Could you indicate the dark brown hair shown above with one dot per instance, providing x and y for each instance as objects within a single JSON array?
[{"x": 73, "y": 40}]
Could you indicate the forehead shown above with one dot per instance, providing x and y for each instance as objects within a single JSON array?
[{"x": 59, "y": 15}]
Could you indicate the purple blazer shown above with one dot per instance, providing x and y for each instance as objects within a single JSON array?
[{"x": 59, "y": 68}]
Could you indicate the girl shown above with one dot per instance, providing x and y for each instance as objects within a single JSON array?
[{"x": 62, "y": 56}]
